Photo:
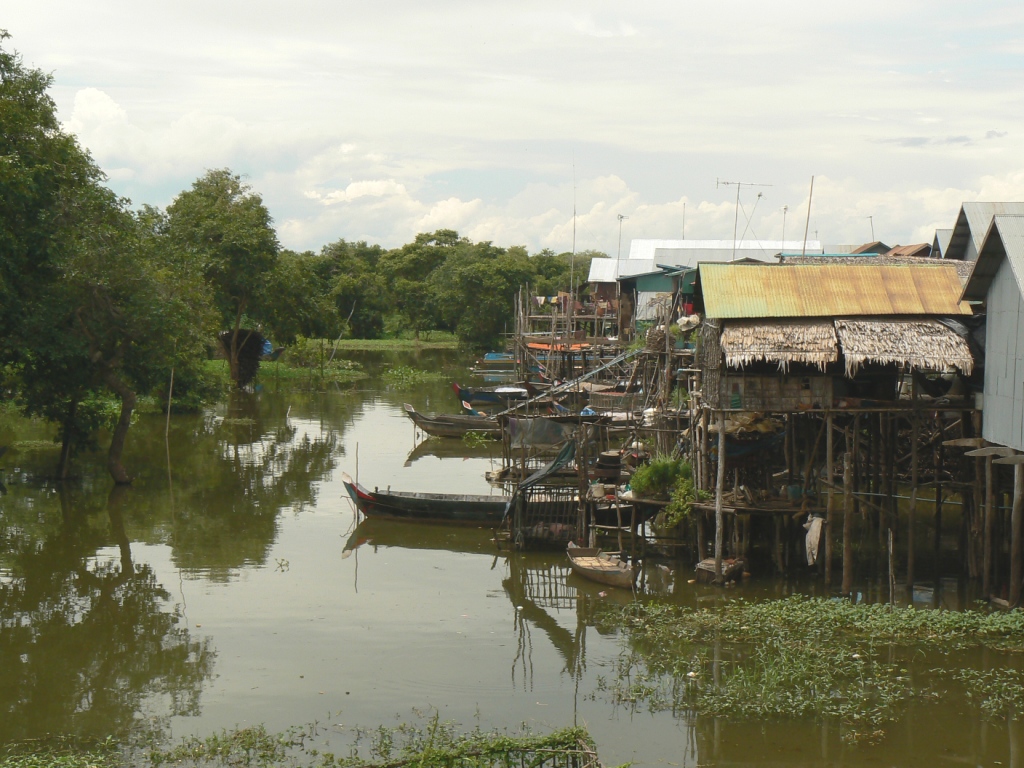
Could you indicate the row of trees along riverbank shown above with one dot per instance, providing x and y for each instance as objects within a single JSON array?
[{"x": 100, "y": 300}]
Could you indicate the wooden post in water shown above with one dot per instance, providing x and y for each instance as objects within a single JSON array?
[
  {"x": 1016, "y": 554},
  {"x": 914, "y": 436},
  {"x": 718, "y": 496},
  {"x": 830, "y": 476},
  {"x": 988, "y": 454},
  {"x": 938, "y": 493},
  {"x": 847, "y": 587}
]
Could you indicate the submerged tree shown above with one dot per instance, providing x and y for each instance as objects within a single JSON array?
[
  {"x": 91, "y": 305},
  {"x": 224, "y": 231}
]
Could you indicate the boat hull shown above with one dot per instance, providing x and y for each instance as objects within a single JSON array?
[
  {"x": 442, "y": 508},
  {"x": 454, "y": 425},
  {"x": 598, "y": 566}
]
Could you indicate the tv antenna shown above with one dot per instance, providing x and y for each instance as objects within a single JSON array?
[
  {"x": 621, "y": 219},
  {"x": 736, "y": 219}
]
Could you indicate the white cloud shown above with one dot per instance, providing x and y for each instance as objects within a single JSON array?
[{"x": 377, "y": 120}]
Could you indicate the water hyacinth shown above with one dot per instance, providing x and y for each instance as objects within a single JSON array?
[{"x": 798, "y": 657}]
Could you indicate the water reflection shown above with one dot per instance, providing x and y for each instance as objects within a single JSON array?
[{"x": 87, "y": 636}]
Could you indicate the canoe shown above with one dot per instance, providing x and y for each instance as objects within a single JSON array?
[
  {"x": 453, "y": 425},
  {"x": 490, "y": 395},
  {"x": 601, "y": 567},
  {"x": 448, "y": 508}
]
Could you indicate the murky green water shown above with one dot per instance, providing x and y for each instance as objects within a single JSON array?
[{"x": 230, "y": 586}]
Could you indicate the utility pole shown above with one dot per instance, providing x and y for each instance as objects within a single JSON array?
[
  {"x": 736, "y": 219},
  {"x": 872, "y": 220},
  {"x": 621, "y": 218}
]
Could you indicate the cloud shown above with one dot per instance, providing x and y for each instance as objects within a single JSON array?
[{"x": 367, "y": 121}]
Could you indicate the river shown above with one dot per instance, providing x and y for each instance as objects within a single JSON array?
[{"x": 229, "y": 586}]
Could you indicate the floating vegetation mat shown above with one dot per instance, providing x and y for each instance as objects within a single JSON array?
[
  {"x": 437, "y": 745},
  {"x": 801, "y": 657},
  {"x": 403, "y": 376}
]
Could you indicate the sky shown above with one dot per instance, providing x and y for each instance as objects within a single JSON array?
[{"x": 376, "y": 121}]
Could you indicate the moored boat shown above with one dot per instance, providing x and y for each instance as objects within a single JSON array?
[
  {"x": 453, "y": 425},
  {"x": 490, "y": 395},
  {"x": 601, "y": 567},
  {"x": 447, "y": 508}
]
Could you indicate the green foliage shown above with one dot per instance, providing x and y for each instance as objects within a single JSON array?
[
  {"x": 62, "y": 752},
  {"x": 656, "y": 479},
  {"x": 808, "y": 657},
  {"x": 222, "y": 229},
  {"x": 684, "y": 495},
  {"x": 402, "y": 376}
]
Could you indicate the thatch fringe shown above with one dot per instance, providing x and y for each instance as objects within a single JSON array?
[
  {"x": 779, "y": 341},
  {"x": 922, "y": 344}
]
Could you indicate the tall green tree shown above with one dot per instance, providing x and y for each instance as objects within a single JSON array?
[
  {"x": 413, "y": 297},
  {"x": 226, "y": 234},
  {"x": 90, "y": 305}
]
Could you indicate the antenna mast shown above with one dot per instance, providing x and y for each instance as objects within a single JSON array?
[{"x": 736, "y": 219}]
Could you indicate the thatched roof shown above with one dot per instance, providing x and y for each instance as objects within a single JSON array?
[
  {"x": 923, "y": 344},
  {"x": 779, "y": 341}
]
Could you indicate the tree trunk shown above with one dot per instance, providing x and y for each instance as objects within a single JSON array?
[
  {"x": 124, "y": 422},
  {"x": 67, "y": 442},
  {"x": 235, "y": 346}
]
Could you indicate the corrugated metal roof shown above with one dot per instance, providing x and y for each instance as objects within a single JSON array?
[
  {"x": 972, "y": 223},
  {"x": 602, "y": 271},
  {"x": 941, "y": 243},
  {"x": 1004, "y": 240},
  {"x": 830, "y": 290},
  {"x": 646, "y": 249}
]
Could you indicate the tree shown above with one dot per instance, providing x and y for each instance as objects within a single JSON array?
[
  {"x": 358, "y": 288},
  {"x": 90, "y": 305},
  {"x": 413, "y": 298},
  {"x": 225, "y": 231},
  {"x": 476, "y": 288}
]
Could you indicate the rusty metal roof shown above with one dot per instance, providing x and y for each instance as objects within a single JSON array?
[{"x": 830, "y": 290}]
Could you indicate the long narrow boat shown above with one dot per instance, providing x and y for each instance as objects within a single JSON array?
[
  {"x": 490, "y": 395},
  {"x": 453, "y": 425},
  {"x": 449, "y": 508},
  {"x": 601, "y": 567}
]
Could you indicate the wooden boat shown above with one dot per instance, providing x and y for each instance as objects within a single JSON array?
[
  {"x": 731, "y": 568},
  {"x": 453, "y": 425},
  {"x": 448, "y": 508},
  {"x": 490, "y": 395},
  {"x": 601, "y": 567}
]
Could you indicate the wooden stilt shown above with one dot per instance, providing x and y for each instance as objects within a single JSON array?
[
  {"x": 830, "y": 476},
  {"x": 718, "y": 496},
  {"x": 986, "y": 574},
  {"x": 911, "y": 517},
  {"x": 1016, "y": 555},
  {"x": 988, "y": 454},
  {"x": 1015, "y": 535},
  {"x": 938, "y": 494},
  {"x": 847, "y": 586}
]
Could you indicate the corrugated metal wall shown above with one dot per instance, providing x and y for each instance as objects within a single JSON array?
[{"x": 1003, "y": 420}]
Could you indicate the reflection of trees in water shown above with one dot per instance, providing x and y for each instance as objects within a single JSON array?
[{"x": 86, "y": 640}]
